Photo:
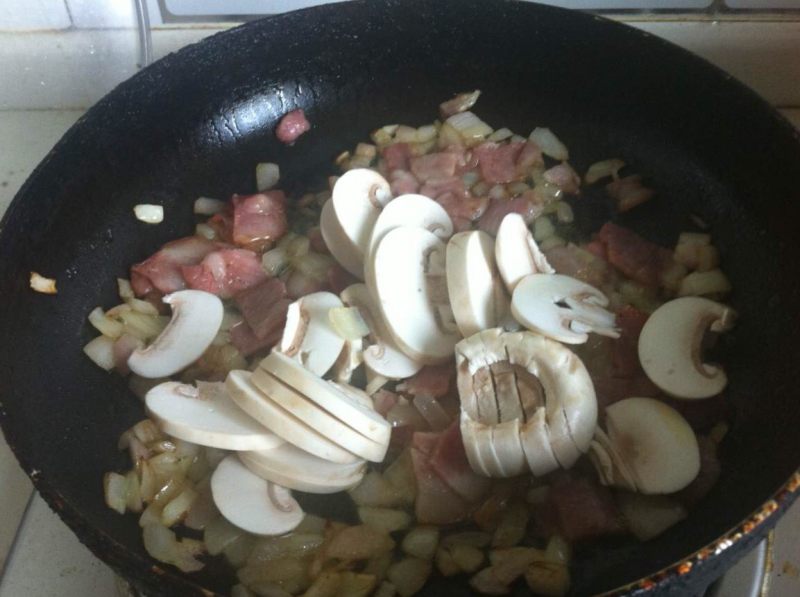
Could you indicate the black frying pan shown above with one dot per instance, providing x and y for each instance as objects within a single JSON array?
[{"x": 196, "y": 123}]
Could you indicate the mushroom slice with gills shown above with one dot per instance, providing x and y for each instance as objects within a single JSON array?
[
  {"x": 356, "y": 200},
  {"x": 291, "y": 467},
  {"x": 337, "y": 399},
  {"x": 282, "y": 422},
  {"x": 670, "y": 346},
  {"x": 409, "y": 287},
  {"x": 477, "y": 295},
  {"x": 326, "y": 424},
  {"x": 382, "y": 356},
  {"x": 308, "y": 336},
  {"x": 474, "y": 380},
  {"x": 562, "y": 308},
  {"x": 655, "y": 442},
  {"x": 407, "y": 210},
  {"x": 207, "y": 416},
  {"x": 611, "y": 468},
  {"x": 340, "y": 246},
  {"x": 517, "y": 253},
  {"x": 196, "y": 319},
  {"x": 251, "y": 503}
]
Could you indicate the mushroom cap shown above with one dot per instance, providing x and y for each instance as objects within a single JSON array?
[
  {"x": 655, "y": 442},
  {"x": 196, "y": 318},
  {"x": 337, "y": 399},
  {"x": 356, "y": 200},
  {"x": 517, "y": 253},
  {"x": 403, "y": 287},
  {"x": 250, "y": 502},
  {"x": 309, "y": 336},
  {"x": 291, "y": 467},
  {"x": 536, "y": 304},
  {"x": 670, "y": 348},
  {"x": 383, "y": 356},
  {"x": 207, "y": 418},
  {"x": 476, "y": 292},
  {"x": 339, "y": 244},
  {"x": 411, "y": 210},
  {"x": 282, "y": 422}
]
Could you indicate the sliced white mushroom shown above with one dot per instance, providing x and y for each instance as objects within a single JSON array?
[
  {"x": 477, "y": 438},
  {"x": 535, "y": 438},
  {"x": 655, "y": 442},
  {"x": 338, "y": 243},
  {"x": 474, "y": 379},
  {"x": 357, "y": 198},
  {"x": 350, "y": 359},
  {"x": 291, "y": 467},
  {"x": 477, "y": 295},
  {"x": 407, "y": 210},
  {"x": 409, "y": 286},
  {"x": 196, "y": 319},
  {"x": 357, "y": 413},
  {"x": 562, "y": 308},
  {"x": 670, "y": 346},
  {"x": 251, "y": 503},
  {"x": 308, "y": 336},
  {"x": 326, "y": 424},
  {"x": 281, "y": 422},
  {"x": 206, "y": 415},
  {"x": 517, "y": 253},
  {"x": 610, "y": 466},
  {"x": 507, "y": 448},
  {"x": 382, "y": 356}
]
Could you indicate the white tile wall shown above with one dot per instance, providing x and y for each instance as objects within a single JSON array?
[
  {"x": 102, "y": 13},
  {"x": 33, "y": 14},
  {"x": 15, "y": 491}
]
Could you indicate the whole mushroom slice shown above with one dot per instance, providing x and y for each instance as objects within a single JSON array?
[
  {"x": 408, "y": 210},
  {"x": 409, "y": 287},
  {"x": 308, "y": 336},
  {"x": 196, "y": 319},
  {"x": 327, "y": 425},
  {"x": 610, "y": 466},
  {"x": 382, "y": 356},
  {"x": 507, "y": 448},
  {"x": 291, "y": 467},
  {"x": 477, "y": 438},
  {"x": 474, "y": 378},
  {"x": 655, "y": 442},
  {"x": 356, "y": 200},
  {"x": 282, "y": 422},
  {"x": 251, "y": 503},
  {"x": 336, "y": 399},
  {"x": 477, "y": 295},
  {"x": 670, "y": 346},
  {"x": 534, "y": 435},
  {"x": 562, "y": 308},
  {"x": 517, "y": 253},
  {"x": 207, "y": 416}
]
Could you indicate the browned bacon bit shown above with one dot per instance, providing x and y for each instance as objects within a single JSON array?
[
  {"x": 629, "y": 192},
  {"x": 291, "y": 126}
]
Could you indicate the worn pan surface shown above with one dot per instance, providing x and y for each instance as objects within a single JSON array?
[{"x": 197, "y": 122}]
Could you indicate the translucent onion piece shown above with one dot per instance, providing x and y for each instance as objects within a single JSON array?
[
  {"x": 348, "y": 323},
  {"x": 105, "y": 325},
  {"x": 549, "y": 143},
  {"x": 124, "y": 289},
  {"x": 115, "y": 487},
  {"x": 41, "y": 284},
  {"x": 275, "y": 261},
  {"x": 205, "y": 206},
  {"x": 205, "y": 231},
  {"x": 149, "y": 213},
  {"x": 101, "y": 351},
  {"x": 162, "y": 545},
  {"x": 600, "y": 170},
  {"x": 267, "y": 175},
  {"x": 470, "y": 127},
  {"x": 705, "y": 283}
]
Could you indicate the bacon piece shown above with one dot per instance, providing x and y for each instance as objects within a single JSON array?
[
  {"x": 449, "y": 460},
  {"x": 434, "y": 166},
  {"x": 564, "y": 177},
  {"x": 162, "y": 270},
  {"x": 500, "y": 208},
  {"x": 613, "y": 389},
  {"x": 578, "y": 263},
  {"x": 498, "y": 162},
  {"x": 584, "y": 509},
  {"x": 628, "y": 192},
  {"x": 396, "y": 156},
  {"x": 403, "y": 182},
  {"x": 425, "y": 441},
  {"x": 384, "y": 401},
  {"x": 432, "y": 380},
  {"x": 259, "y": 220},
  {"x": 264, "y": 306},
  {"x": 291, "y": 126},
  {"x": 339, "y": 278},
  {"x": 634, "y": 256},
  {"x": 436, "y": 503},
  {"x": 529, "y": 158},
  {"x": 436, "y": 187},
  {"x": 463, "y": 210},
  {"x": 225, "y": 272},
  {"x": 247, "y": 343},
  {"x": 597, "y": 249}
]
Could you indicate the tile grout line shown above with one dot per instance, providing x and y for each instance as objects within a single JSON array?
[{"x": 17, "y": 536}]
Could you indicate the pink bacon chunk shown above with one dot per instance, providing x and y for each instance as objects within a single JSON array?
[{"x": 291, "y": 126}]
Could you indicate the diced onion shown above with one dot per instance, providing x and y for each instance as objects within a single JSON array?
[
  {"x": 348, "y": 323},
  {"x": 116, "y": 491},
  {"x": 694, "y": 238},
  {"x": 149, "y": 213},
  {"x": 426, "y": 133},
  {"x": 297, "y": 248},
  {"x": 460, "y": 103},
  {"x": 143, "y": 307},
  {"x": 384, "y": 519},
  {"x": 405, "y": 134},
  {"x": 105, "y": 325},
  {"x": 101, "y": 351},
  {"x": 295, "y": 545},
  {"x": 124, "y": 289},
  {"x": 409, "y": 575},
  {"x": 178, "y": 507},
  {"x": 552, "y": 242},
  {"x": 564, "y": 213},
  {"x": 206, "y": 206},
  {"x": 267, "y": 175},
  {"x": 432, "y": 412},
  {"x": 41, "y": 284},
  {"x": 543, "y": 229},
  {"x": 421, "y": 542},
  {"x": 386, "y": 589},
  {"x": 468, "y": 558},
  {"x": 366, "y": 150},
  {"x": 471, "y": 128},
  {"x": 600, "y": 170},
  {"x": 275, "y": 261},
  {"x": 705, "y": 283},
  {"x": 498, "y": 192},
  {"x": 500, "y": 135},
  {"x": 162, "y": 545},
  {"x": 205, "y": 231},
  {"x": 549, "y": 143}
]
